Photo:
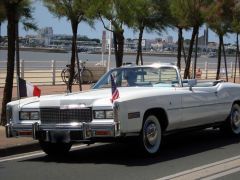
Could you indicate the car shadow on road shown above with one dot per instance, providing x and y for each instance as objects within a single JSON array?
[{"x": 173, "y": 147}]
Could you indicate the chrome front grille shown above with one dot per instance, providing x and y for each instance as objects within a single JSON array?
[{"x": 59, "y": 116}]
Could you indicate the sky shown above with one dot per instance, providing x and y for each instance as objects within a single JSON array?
[{"x": 44, "y": 18}]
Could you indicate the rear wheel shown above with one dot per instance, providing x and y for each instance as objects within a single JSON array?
[
  {"x": 151, "y": 135},
  {"x": 87, "y": 76},
  {"x": 55, "y": 149},
  {"x": 232, "y": 125}
]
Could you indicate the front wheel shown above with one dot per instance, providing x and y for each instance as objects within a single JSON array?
[
  {"x": 151, "y": 135},
  {"x": 65, "y": 74},
  {"x": 87, "y": 76},
  {"x": 55, "y": 149},
  {"x": 232, "y": 124}
]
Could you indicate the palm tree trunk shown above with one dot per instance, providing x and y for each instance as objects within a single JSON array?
[
  {"x": 78, "y": 67},
  {"x": 187, "y": 68},
  {"x": 238, "y": 59},
  {"x": 0, "y": 32},
  {"x": 73, "y": 56},
  {"x": 225, "y": 61},
  {"x": 118, "y": 46},
  {"x": 115, "y": 44},
  {"x": 7, "y": 94},
  {"x": 219, "y": 57},
  {"x": 235, "y": 66},
  {"x": 17, "y": 51},
  {"x": 196, "y": 55},
  {"x": 139, "y": 50},
  {"x": 179, "y": 47},
  {"x": 17, "y": 58}
]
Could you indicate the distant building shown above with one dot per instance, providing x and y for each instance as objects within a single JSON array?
[
  {"x": 212, "y": 46},
  {"x": 45, "y": 34},
  {"x": 132, "y": 44},
  {"x": 157, "y": 45},
  {"x": 169, "y": 39}
]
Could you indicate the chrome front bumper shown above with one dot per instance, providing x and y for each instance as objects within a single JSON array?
[
  {"x": 18, "y": 130},
  {"x": 78, "y": 132}
]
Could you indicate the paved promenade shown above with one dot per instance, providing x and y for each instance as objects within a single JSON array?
[{"x": 8, "y": 145}]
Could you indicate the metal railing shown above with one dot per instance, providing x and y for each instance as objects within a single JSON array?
[
  {"x": 46, "y": 72},
  {"x": 49, "y": 72},
  {"x": 208, "y": 71}
]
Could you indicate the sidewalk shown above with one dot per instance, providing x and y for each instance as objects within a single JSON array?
[{"x": 9, "y": 146}]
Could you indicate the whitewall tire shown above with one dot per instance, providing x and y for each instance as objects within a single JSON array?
[{"x": 151, "y": 135}]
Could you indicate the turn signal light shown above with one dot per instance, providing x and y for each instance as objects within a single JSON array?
[{"x": 102, "y": 133}]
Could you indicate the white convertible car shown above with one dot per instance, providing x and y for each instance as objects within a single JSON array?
[{"x": 153, "y": 100}]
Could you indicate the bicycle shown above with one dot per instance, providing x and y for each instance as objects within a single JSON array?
[{"x": 86, "y": 76}]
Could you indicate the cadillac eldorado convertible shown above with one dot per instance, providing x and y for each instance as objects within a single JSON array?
[{"x": 153, "y": 100}]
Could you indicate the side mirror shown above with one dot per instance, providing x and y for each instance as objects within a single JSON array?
[{"x": 191, "y": 83}]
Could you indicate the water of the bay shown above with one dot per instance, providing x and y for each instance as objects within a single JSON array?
[{"x": 43, "y": 59}]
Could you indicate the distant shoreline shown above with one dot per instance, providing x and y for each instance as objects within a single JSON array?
[
  {"x": 39, "y": 49},
  {"x": 59, "y": 50},
  {"x": 162, "y": 54}
]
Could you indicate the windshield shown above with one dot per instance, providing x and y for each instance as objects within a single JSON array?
[{"x": 140, "y": 76}]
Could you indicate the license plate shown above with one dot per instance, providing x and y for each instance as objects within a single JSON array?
[{"x": 60, "y": 136}]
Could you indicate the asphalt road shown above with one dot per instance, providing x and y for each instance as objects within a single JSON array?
[{"x": 206, "y": 154}]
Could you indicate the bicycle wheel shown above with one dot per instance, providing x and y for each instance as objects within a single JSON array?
[
  {"x": 65, "y": 74},
  {"x": 76, "y": 79},
  {"x": 87, "y": 76}
]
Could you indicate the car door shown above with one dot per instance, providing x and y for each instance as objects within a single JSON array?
[{"x": 200, "y": 105}]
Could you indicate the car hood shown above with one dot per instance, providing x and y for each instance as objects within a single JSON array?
[{"x": 98, "y": 97}]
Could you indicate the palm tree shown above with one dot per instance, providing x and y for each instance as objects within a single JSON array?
[
  {"x": 236, "y": 29},
  {"x": 75, "y": 11},
  {"x": 10, "y": 8},
  {"x": 180, "y": 23},
  {"x": 13, "y": 12},
  {"x": 117, "y": 12},
  {"x": 150, "y": 15},
  {"x": 219, "y": 17},
  {"x": 187, "y": 13},
  {"x": 193, "y": 15}
]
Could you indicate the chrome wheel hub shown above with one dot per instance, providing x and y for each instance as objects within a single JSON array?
[{"x": 151, "y": 134}]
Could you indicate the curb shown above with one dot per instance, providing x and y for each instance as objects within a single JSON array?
[{"x": 19, "y": 149}]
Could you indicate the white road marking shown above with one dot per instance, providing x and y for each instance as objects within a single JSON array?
[
  {"x": 32, "y": 154},
  {"x": 21, "y": 156},
  {"x": 225, "y": 173},
  {"x": 217, "y": 169}
]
